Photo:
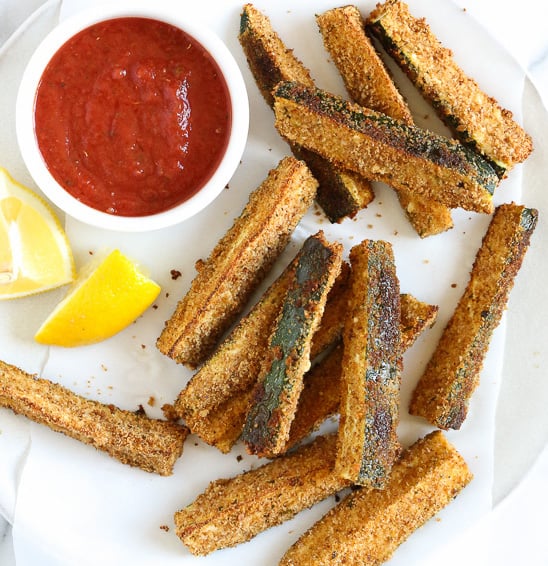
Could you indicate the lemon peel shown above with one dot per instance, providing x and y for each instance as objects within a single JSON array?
[
  {"x": 35, "y": 254},
  {"x": 106, "y": 297}
]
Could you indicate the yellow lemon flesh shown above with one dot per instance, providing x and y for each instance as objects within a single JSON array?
[
  {"x": 35, "y": 255},
  {"x": 104, "y": 300}
]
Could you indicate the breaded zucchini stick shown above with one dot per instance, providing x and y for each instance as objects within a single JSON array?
[
  {"x": 132, "y": 438},
  {"x": 443, "y": 392},
  {"x": 235, "y": 365},
  {"x": 475, "y": 117},
  {"x": 232, "y": 511},
  {"x": 369, "y": 84},
  {"x": 340, "y": 193},
  {"x": 320, "y": 396},
  {"x": 238, "y": 263},
  {"x": 371, "y": 368},
  {"x": 277, "y": 391},
  {"x": 370, "y": 524},
  {"x": 383, "y": 149}
]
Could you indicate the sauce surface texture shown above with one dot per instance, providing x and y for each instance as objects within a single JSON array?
[{"x": 132, "y": 116}]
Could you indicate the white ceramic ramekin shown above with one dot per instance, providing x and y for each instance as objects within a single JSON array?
[{"x": 26, "y": 129}]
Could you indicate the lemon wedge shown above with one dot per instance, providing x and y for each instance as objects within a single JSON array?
[
  {"x": 35, "y": 255},
  {"x": 105, "y": 298}
]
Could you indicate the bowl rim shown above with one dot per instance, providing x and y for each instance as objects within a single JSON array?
[{"x": 28, "y": 145}]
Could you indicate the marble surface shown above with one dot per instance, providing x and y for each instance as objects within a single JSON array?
[{"x": 521, "y": 457}]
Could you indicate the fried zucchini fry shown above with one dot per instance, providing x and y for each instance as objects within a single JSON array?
[
  {"x": 340, "y": 193},
  {"x": 238, "y": 263},
  {"x": 320, "y": 396},
  {"x": 475, "y": 117},
  {"x": 443, "y": 392},
  {"x": 371, "y": 368},
  {"x": 369, "y": 84},
  {"x": 383, "y": 149},
  {"x": 132, "y": 438},
  {"x": 232, "y": 511},
  {"x": 370, "y": 524},
  {"x": 233, "y": 368},
  {"x": 277, "y": 391}
]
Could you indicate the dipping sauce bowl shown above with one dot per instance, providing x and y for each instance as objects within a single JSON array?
[{"x": 132, "y": 118}]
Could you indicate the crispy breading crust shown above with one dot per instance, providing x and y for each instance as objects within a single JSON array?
[
  {"x": 238, "y": 263},
  {"x": 370, "y": 524},
  {"x": 475, "y": 117},
  {"x": 340, "y": 193},
  {"x": 277, "y": 391},
  {"x": 370, "y": 84},
  {"x": 236, "y": 363},
  {"x": 232, "y": 511},
  {"x": 384, "y": 149},
  {"x": 132, "y": 438},
  {"x": 364, "y": 74},
  {"x": 416, "y": 316},
  {"x": 371, "y": 368},
  {"x": 443, "y": 392}
]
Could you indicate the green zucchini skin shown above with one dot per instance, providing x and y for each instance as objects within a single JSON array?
[
  {"x": 276, "y": 395},
  {"x": 371, "y": 368},
  {"x": 443, "y": 393},
  {"x": 381, "y": 148}
]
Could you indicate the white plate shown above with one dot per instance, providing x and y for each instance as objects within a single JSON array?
[{"x": 76, "y": 505}]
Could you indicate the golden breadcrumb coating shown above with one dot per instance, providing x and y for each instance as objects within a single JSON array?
[
  {"x": 320, "y": 396},
  {"x": 132, "y": 438},
  {"x": 340, "y": 193},
  {"x": 277, "y": 391},
  {"x": 232, "y": 511},
  {"x": 451, "y": 376},
  {"x": 384, "y": 149},
  {"x": 238, "y": 262},
  {"x": 370, "y": 524}
]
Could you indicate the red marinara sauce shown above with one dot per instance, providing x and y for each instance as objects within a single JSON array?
[{"x": 132, "y": 116}]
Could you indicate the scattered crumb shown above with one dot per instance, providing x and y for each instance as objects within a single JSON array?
[
  {"x": 151, "y": 401},
  {"x": 239, "y": 458},
  {"x": 167, "y": 295},
  {"x": 143, "y": 346},
  {"x": 175, "y": 274},
  {"x": 425, "y": 261},
  {"x": 90, "y": 252},
  {"x": 378, "y": 215},
  {"x": 104, "y": 367},
  {"x": 370, "y": 225},
  {"x": 170, "y": 413},
  {"x": 154, "y": 307},
  {"x": 164, "y": 528},
  {"x": 453, "y": 285}
]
